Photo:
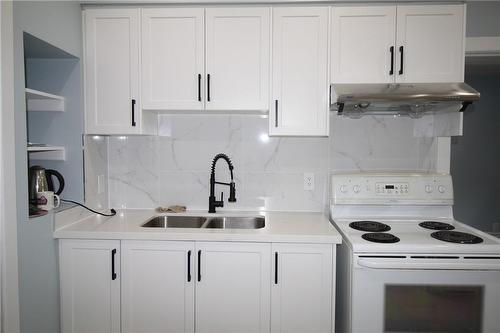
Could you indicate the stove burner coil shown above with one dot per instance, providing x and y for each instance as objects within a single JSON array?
[
  {"x": 456, "y": 237},
  {"x": 370, "y": 226},
  {"x": 380, "y": 237},
  {"x": 436, "y": 225}
]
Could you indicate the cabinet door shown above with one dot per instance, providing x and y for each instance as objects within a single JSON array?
[
  {"x": 172, "y": 58},
  {"x": 158, "y": 286},
  {"x": 302, "y": 295},
  {"x": 233, "y": 289},
  {"x": 112, "y": 71},
  {"x": 300, "y": 72},
  {"x": 430, "y": 41},
  {"x": 90, "y": 288},
  {"x": 237, "y": 58},
  {"x": 363, "y": 44}
]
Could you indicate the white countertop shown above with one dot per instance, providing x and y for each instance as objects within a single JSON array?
[{"x": 297, "y": 227}]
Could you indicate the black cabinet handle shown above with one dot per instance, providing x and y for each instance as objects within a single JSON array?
[
  {"x": 113, "y": 273},
  {"x": 133, "y": 112},
  {"x": 199, "y": 265},
  {"x": 391, "y": 72},
  {"x": 199, "y": 87},
  {"x": 401, "y": 51},
  {"x": 275, "y": 267},
  {"x": 276, "y": 113},
  {"x": 208, "y": 87},
  {"x": 189, "y": 266}
]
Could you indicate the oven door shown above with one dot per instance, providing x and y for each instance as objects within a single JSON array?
[{"x": 425, "y": 295}]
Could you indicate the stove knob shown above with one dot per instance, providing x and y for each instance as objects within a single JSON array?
[
  {"x": 428, "y": 188},
  {"x": 355, "y": 188},
  {"x": 441, "y": 189},
  {"x": 343, "y": 188}
]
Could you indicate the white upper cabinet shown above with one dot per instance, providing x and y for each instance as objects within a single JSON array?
[
  {"x": 403, "y": 43},
  {"x": 431, "y": 40},
  {"x": 172, "y": 58},
  {"x": 232, "y": 288},
  {"x": 363, "y": 44},
  {"x": 299, "y": 104},
  {"x": 302, "y": 290},
  {"x": 157, "y": 286},
  {"x": 214, "y": 59},
  {"x": 237, "y": 58},
  {"x": 112, "y": 71}
]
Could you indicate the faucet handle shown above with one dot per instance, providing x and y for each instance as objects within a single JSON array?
[{"x": 221, "y": 202}]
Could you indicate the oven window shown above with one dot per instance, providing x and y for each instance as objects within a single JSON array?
[{"x": 433, "y": 308}]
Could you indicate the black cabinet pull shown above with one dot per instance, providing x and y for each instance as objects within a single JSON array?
[
  {"x": 189, "y": 266},
  {"x": 113, "y": 273},
  {"x": 133, "y": 112},
  {"x": 391, "y": 72},
  {"x": 199, "y": 87},
  {"x": 276, "y": 113},
  {"x": 401, "y": 51},
  {"x": 208, "y": 87},
  {"x": 275, "y": 267},
  {"x": 199, "y": 265}
]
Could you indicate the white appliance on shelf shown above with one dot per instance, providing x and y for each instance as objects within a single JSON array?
[{"x": 405, "y": 264}]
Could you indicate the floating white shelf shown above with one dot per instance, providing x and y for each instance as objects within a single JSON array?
[
  {"x": 482, "y": 46},
  {"x": 41, "y": 101},
  {"x": 53, "y": 153}
]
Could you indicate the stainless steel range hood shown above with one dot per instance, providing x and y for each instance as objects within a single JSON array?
[{"x": 414, "y": 100}]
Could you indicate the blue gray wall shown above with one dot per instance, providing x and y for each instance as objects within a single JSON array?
[
  {"x": 475, "y": 157},
  {"x": 58, "y": 23},
  {"x": 483, "y": 19}
]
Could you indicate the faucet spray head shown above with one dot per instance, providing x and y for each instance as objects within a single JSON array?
[{"x": 232, "y": 192}]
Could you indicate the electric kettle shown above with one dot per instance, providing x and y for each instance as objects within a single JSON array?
[{"x": 40, "y": 180}]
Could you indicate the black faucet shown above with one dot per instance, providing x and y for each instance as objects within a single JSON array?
[{"x": 212, "y": 202}]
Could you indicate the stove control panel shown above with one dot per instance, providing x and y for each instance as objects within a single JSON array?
[
  {"x": 392, "y": 188},
  {"x": 400, "y": 188}
]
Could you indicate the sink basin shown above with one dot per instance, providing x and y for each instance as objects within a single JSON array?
[
  {"x": 175, "y": 222},
  {"x": 254, "y": 222}
]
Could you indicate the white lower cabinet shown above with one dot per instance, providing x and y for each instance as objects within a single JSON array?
[
  {"x": 90, "y": 286},
  {"x": 184, "y": 286},
  {"x": 233, "y": 289},
  {"x": 302, "y": 289},
  {"x": 157, "y": 286}
]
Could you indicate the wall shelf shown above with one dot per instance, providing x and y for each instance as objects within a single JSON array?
[
  {"x": 482, "y": 46},
  {"x": 41, "y": 101},
  {"x": 51, "y": 153}
]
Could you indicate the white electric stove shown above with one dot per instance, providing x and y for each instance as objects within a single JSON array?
[{"x": 406, "y": 265}]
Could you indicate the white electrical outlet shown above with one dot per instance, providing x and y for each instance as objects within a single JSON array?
[
  {"x": 308, "y": 181},
  {"x": 100, "y": 184}
]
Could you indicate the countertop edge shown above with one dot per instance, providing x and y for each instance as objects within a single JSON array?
[{"x": 78, "y": 224}]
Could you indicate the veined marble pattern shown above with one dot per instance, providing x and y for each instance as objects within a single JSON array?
[
  {"x": 174, "y": 167},
  {"x": 382, "y": 143},
  {"x": 96, "y": 163}
]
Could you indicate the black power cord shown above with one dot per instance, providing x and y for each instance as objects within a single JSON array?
[{"x": 113, "y": 212}]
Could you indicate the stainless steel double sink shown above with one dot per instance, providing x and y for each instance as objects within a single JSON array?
[{"x": 218, "y": 222}]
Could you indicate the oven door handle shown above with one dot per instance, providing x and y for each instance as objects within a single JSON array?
[{"x": 437, "y": 264}]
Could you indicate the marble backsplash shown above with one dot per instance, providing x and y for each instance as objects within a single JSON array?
[{"x": 174, "y": 167}]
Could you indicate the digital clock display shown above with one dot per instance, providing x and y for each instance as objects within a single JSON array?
[{"x": 389, "y": 187}]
